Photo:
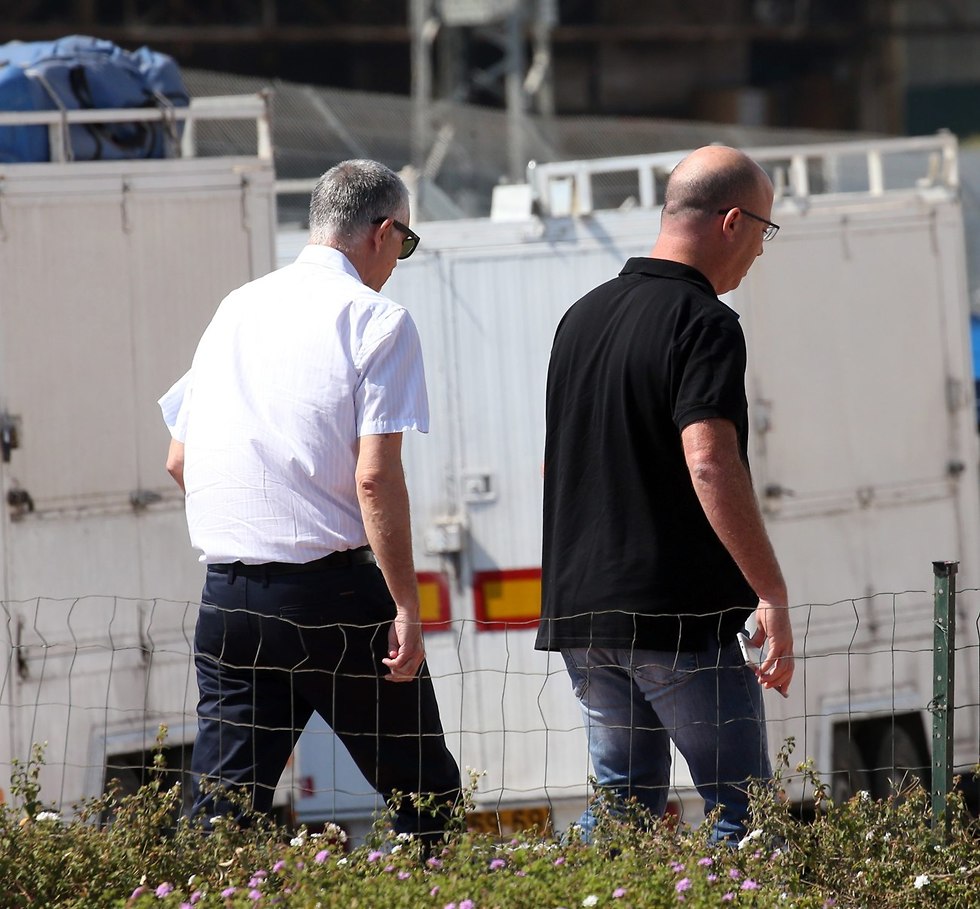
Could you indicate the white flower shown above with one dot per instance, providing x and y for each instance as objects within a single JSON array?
[
  {"x": 590, "y": 900},
  {"x": 921, "y": 881},
  {"x": 869, "y": 835},
  {"x": 864, "y": 795},
  {"x": 47, "y": 816},
  {"x": 397, "y": 847},
  {"x": 297, "y": 841},
  {"x": 191, "y": 879},
  {"x": 217, "y": 819},
  {"x": 342, "y": 861},
  {"x": 887, "y": 837},
  {"x": 754, "y": 835}
]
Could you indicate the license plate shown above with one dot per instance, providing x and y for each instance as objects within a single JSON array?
[{"x": 506, "y": 821}]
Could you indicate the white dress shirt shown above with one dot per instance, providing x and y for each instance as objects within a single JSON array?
[{"x": 293, "y": 368}]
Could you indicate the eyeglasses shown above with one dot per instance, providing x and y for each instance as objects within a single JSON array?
[
  {"x": 411, "y": 240},
  {"x": 771, "y": 229}
]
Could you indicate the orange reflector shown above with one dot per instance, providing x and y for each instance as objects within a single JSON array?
[
  {"x": 434, "y": 600},
  {"x": 507, "y": 599}
]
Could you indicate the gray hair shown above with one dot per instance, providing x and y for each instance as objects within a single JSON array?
[{"x": 349, "y": 196}]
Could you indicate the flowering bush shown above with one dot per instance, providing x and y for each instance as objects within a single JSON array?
[{"x": 863, "y": 853}]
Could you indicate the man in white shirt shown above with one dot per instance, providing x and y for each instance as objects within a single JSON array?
[{"x": 287, "y": 438}]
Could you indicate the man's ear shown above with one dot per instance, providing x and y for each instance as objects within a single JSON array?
[{"x": 380, "y": 232}]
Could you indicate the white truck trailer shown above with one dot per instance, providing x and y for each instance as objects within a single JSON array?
[
  {"x": 864, "y": 453},
  {"x": 864, "y": 456},
  {"x": 109, "y": 272}
]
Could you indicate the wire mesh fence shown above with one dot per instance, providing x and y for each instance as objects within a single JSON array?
[{"x": 95, "y": 678}]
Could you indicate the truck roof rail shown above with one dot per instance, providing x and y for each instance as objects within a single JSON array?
[
  {"x": 800, "y": 172},
  {"x": 205, "y": 109}
]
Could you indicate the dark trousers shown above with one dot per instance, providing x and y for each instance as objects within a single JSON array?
[{"x": 269, "y": 650}]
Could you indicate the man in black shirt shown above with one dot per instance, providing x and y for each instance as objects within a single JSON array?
[{"x": 655, "y": 553}]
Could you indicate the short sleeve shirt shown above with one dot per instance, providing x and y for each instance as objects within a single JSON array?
[
  {"x": 293, "y": 368},
  {"x": 629, "y": 558}
]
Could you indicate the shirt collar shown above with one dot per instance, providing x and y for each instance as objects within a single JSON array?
[
  {"x": 666, "y": 268},
  {"x": 328, "y": 257}
]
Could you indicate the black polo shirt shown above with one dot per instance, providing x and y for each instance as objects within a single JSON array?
[{"x": 629, "y": 558}]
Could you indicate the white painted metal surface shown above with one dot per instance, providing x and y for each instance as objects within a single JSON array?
[{"x": 109, "y": 272}]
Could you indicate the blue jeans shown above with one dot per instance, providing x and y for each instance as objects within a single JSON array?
[
  {"x": 709, "y": 702},
  {"x": 270, "y": 651}
]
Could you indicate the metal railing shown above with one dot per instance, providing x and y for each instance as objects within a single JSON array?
[
  {"x": 565, "y": 188},
  {"x": 216, "y": 108}
]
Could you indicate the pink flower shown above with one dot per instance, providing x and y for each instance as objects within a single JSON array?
[
  {"x": 676, "y": 867},
  {"x": 466, "y": 904},
  {"x": 749, "y": 884},
  {"x": 619, "y": 893},
  {"x": 255, "y": 894},
  {"x": 728, "y": 897},
  {"x": 734, "y": 874},
  {"x": 560, "y": 860},
  {"x": 228, "y": 892},
  {"x": 163, "y": 890},
  {"x": 434, "y": 891},
  {"x": 683, "y": 884},
  {"x": 404, "y": 875},
  {"x": 139, "y": 891},
  {"x": 433, "y": 862},
  {"x": 278, "y": 866},
  {"x": 196, "y": 897},
  {"x": 374, "y": 856},
  {"x": 706, "y": 862},
  {"x": 521, "y": 873},
  {"x": 712, "y": 878},
  {"x": 497, "y": 864},
  {"x": 321, "y": 856}
]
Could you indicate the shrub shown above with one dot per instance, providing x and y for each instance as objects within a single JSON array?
[{"x": 863, "y": 853}]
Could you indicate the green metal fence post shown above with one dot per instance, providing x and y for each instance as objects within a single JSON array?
[{"x": 943, "y": 658}]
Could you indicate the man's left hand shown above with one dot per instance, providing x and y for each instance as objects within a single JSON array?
[{"x": 406, "y": 650}]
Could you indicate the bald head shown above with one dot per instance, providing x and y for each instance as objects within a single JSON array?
[
  {"x": 713, "y": 178},
  {"x": 704, "y": 224}
]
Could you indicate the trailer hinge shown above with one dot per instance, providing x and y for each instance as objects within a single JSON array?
[
  {"x": 9, "y": 435},
  {"x": 246, "y": 202},
  {"x": 127, "y": 224},
  {"x": 954, "y": 394},
  {"x": 19, "y": 656},
  {"x": 145, "y": 643}
]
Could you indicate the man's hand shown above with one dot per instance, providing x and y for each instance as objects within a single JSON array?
[
  {"x": 406, "y": 650},
  {"x": 773, "y": 628}
]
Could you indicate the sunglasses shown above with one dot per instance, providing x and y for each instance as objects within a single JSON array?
[{"x": 411, "y": 240}]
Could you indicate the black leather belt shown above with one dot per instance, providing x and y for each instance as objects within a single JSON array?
[{"x": 345, "y": 559}]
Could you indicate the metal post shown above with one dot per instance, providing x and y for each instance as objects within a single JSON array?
[
  {"x": 943, "y": 656},
  {"x": 516, "y": 97},
  {"x": 423, "y": 33}
]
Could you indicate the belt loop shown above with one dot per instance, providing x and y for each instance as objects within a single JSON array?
[
  {"x": 265, "y": 575},
  {"x": 231, "y": 573}
]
